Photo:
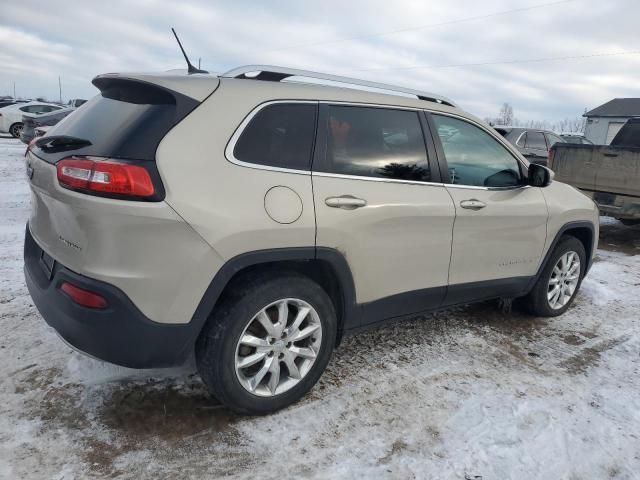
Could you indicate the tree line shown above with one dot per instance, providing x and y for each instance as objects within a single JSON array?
[{"x": 507, "y": 117}]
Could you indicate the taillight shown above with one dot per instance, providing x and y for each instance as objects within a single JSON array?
[
  {"x": 84, "y": 297},
  {"x": 550, "y": 157},
  {"x": 105, "y": 176}
]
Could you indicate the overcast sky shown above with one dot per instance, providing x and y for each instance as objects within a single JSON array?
[{"x": 379, "y": 40}]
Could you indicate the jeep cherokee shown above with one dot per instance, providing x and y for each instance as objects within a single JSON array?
[{"x": 254, "y": 220}]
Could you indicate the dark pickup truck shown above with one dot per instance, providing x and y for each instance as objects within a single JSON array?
[{"x": 610, "y": 174}]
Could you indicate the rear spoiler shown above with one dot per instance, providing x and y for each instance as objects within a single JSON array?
[{"x": 197, "y": 87}]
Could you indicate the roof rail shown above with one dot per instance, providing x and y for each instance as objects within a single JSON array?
[{"x": 277, "y": 74}]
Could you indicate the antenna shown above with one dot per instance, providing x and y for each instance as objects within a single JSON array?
[{"x": 190, "y": 68}]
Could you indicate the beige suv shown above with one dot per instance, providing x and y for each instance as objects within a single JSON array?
[{"x": 254, "y": 220}]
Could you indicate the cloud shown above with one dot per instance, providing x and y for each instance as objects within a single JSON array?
[{"x": 377, "y": 40}]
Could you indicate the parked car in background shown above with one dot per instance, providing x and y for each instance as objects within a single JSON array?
[
  {"x": 11, "y": 116},
  {"x": 610, "y": 174},
  {"x": 533, "y": 143},
  {"x": 212, "y": 237},
  {"x": 30, "y": 121},
  {"x": 578, "y": 138},
  {"x": 6, "y": 102},
  {"x": 76, "y": 102}
]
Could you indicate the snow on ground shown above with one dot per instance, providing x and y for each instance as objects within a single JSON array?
[{"x": 465, "y": 393}]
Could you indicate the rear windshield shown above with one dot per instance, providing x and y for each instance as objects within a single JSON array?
[{"x": 126, "y": 120}]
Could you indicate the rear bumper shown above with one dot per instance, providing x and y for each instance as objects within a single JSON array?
[
  {"x": 624, "y": 207},
  {"x": 119, "y": 334}
]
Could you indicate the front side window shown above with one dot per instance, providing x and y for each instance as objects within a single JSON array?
[
  {"x": 279, "y": 135},
  {"x": 376, "y": 142},
  {"x": 474, "y": 157},
  {"x": 535, "y": 140}
]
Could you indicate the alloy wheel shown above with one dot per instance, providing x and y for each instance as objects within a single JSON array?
[
  {"x": 564, "y": 280},
  {"x": 278, "y": 347},
  {"x": 16, "y": 130}
]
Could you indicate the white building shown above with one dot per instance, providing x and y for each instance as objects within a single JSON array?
[{"x": 606, "y": 120}]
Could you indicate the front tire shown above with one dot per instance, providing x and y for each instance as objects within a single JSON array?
[
  {"x": 16, "y": 129},
  {"x": 267, "y": 343},
  {"x": 560, "y": 280}
]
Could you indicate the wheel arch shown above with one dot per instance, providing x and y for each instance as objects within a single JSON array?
[
  {"x": 585, "y": 235},
  {"x": 325, "y": 266},
  {"x": 583, "y": 231}
]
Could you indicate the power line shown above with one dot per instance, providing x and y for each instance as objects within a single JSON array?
[
  {"x": 421, "y": 27},
  {"x": 499, "y": 62}
]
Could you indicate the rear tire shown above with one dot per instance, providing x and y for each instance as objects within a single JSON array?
[
  {"x": 15, "y": 129},
  {"x": 236, "y": 335},
  {"x": 555, "y": 289}
]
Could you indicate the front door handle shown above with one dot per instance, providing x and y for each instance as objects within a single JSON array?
[
  {"x": 472, "y": 204},
  {"x": 346, "y": 202}
]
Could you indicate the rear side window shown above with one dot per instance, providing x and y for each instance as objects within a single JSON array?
[
  {"x": 279, "y": 135},
  {"x": 376, "y": 142},
  {"x": 535, "y": 140}
]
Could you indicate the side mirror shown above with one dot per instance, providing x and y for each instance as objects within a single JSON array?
[{"x": 539, "y": 176}]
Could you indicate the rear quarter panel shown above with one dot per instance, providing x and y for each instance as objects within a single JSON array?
[{"x": 225, "y": 202}]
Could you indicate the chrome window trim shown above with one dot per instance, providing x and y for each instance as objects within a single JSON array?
[
  {"x": 493, "y": 189},
  {"x": 375, "y": 179}
]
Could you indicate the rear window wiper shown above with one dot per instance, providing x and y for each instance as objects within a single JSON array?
[{"x": 61, "y": 143}]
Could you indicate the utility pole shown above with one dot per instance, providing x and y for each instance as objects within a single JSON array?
[
  {"x": 14, "y": 89},
  {"x": 199, "y": 63},
  {"x": 60, "y": 88}
]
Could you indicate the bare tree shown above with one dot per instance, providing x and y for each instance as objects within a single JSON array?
[{"x": 505, "y": 117}]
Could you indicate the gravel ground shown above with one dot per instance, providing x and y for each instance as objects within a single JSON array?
[{"x": 468, "y": 393}]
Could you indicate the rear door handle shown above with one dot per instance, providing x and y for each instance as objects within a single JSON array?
[
  {"x": 472, "y": 204},
  {"x": 346, "y": 202}
]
